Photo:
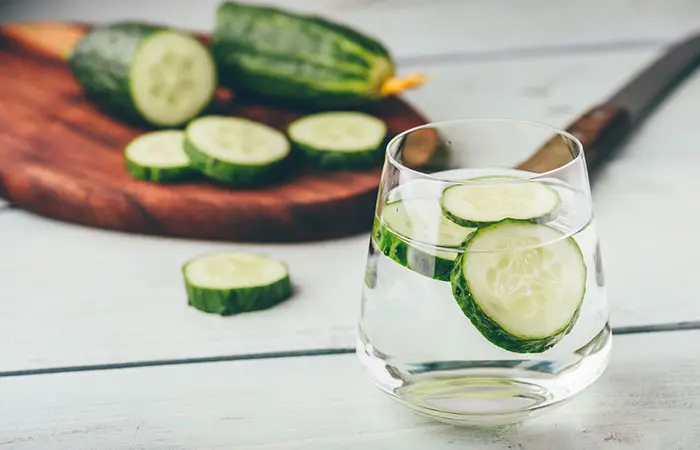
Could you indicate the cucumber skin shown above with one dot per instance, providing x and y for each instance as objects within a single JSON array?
[
  {"x": 397, "y": 250},
  {"x": 474, "y": 224},
  {"x": 334, "y": 160},
  {"x": 307, "y": 62},
  {"x": 236, "y": 301},
  {"x": 236, "y": 175},
  {"x": 160, "y": 174},
  {"x": 489, "y": 328},
  {"x": 463, "y": 222},
  {"x": 101, "y": 63}
]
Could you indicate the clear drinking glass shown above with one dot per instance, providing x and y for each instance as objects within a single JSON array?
[{"x": 484, "y": 299}]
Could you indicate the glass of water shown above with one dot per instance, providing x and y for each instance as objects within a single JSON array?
[{"x": 484, "y": 300}]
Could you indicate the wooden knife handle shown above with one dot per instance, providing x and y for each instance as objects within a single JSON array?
[{"x": 600, "y": 130}]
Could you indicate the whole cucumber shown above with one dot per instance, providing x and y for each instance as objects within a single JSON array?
[{"x": 305, "y": 60}]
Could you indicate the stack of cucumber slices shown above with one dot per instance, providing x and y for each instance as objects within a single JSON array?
[{"x": 518, "y": 279}]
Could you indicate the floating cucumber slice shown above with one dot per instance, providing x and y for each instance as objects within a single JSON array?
[
  {"x": 158, "y": 156},
  {"x": 339, "y": 139},
  {"x": 521, "y": 284},
  {"x": 409, "y": 231},
  {"x": 236, "y": 151},
  {"x": 475, "y": 205},
  {"x": 232, "y": 283}
]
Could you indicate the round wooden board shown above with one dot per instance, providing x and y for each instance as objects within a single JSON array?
[{"x": 63, "y": 158}]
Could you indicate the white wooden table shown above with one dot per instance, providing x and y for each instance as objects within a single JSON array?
[{"x": 75, "y": 308}]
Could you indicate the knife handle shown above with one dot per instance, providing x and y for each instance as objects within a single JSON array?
[{"x": 600, "y": 129}]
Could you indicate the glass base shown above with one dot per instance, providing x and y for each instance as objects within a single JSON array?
[{"x": 487, "y": 393}]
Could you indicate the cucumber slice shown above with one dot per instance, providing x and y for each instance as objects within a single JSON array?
[
  {"x": 232, "y": 283},
  {"x": 339, "y": 139},
  {"x": 521, "y": 284},
  {"x": 236, "y": 151},
  {"x": 409, "y": 232},
  {"x": 158, "y": 156},
  {"x": 140, "y": 72},
  {"x": 486, "y": 203}
]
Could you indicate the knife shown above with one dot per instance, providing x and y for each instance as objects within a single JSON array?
[{"x": 603, "y": 128}]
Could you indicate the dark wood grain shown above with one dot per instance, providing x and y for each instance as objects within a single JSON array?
[{"x": 63, "y": 158}]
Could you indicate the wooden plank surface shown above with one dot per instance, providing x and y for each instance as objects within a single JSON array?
[
  {"x": 649, "y": 398},
  {"x": 76, "y": 296},
  {"x": 415, "y": 28}
]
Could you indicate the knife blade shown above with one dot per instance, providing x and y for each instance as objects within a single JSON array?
[{"x": 603, "y": 128}]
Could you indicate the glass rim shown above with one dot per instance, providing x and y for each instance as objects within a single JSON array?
[{"x": 577, "y": 146}]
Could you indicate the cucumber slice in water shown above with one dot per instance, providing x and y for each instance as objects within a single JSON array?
[
  {"x": 158, "y": 156},
  {"x": 521, "y": 284},
  {"x": 486, "y": 203},
  {"x": 339, "y": 139},
  {"x": 409, "y": 232},
  {"x": 140, "y": 72},
  {"x": 237, "y": 151},
  {"x": 233, "y": 282}
]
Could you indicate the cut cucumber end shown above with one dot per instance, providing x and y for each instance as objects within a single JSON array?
[
  {"x": 236, "y": 151},
  {"x": 172, "y": 78},
  {"x": 480, "y": 204},
  {"x": 521, "y": 284},
  {"x": 232, "y": 283},
  {"x": 158, "y": 156},
  {"x": 339, "y": 139}
]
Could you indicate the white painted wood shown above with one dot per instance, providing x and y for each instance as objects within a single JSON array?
[
  {"x": 646, "y": 204},
  {"x": 649, "y": 398},
  {"x": 415, "y": 27},
  {"x": 75, "y": 296},
  {"x": 551, "y": 89}
]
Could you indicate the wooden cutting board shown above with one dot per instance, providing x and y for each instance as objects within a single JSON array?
[{"x": 61, "y": 157}]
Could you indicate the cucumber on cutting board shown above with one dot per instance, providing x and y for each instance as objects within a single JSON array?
[
  {"x": 237, "y": 151},
  {"x": 339, "y": 139},
  {"x": 521, "y": 284},
  {"x": 234, "y": 282},
  {"x": 301, "y": 59},
  {"x": 140, "y": 72},
  {"x": 491, "y": 199},
  {"x": 408, "y": 231},
  {"x": 158, "y": 156}
]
